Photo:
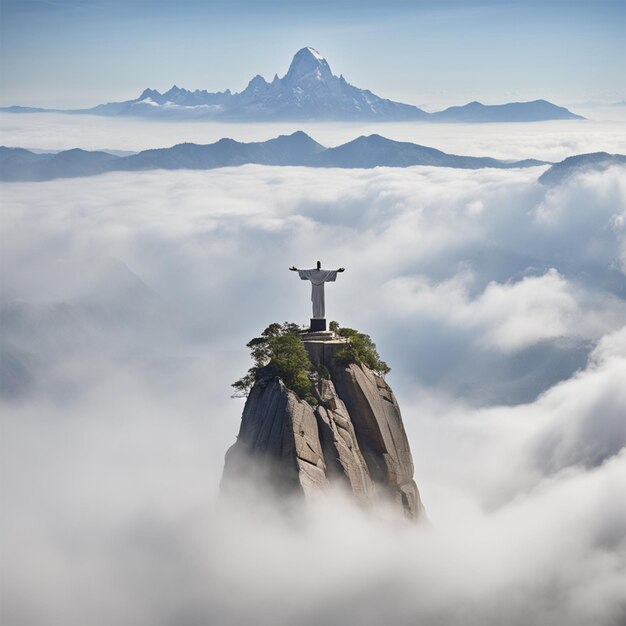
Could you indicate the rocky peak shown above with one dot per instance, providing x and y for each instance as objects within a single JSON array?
[
  {"x": 149, "y": 93},
  {"x": 257, "y": 82},
  {"x": 307, "y": 63},
  {"x": 352, "y": 436}
]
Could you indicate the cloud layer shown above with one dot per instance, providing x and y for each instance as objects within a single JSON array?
[
  {"x": 499, "y": 304},
  {"x": 549, "y": 141}
]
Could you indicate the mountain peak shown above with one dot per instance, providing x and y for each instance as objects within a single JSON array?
[
  {"x": 148, "y": 93},
  {"x": 313, "y": 52},
  {"x": 300, "y": 459},
  {"x": 308, "y": 61},
  {"x": 174, "y": 90},
  {"x": 257, "y": 81}
]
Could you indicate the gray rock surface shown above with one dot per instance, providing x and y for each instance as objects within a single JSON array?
[{"x": 353, "y": 438}]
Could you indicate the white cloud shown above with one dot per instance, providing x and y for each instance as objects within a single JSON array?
[
  {"x": 131, "y": 298},
  {"x": 508, "y": 316}
]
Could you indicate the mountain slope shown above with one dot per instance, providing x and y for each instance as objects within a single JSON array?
[
  {"x": 377, "y": 151},
  {"x": 17, "y": 164},
  {"x": 596, "y": 161},
  {"x": 295, "y": 149}
]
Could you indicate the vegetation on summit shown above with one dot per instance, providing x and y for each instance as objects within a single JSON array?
[
  {"x": 360, "y": 349},
  {"x": 279, "y": 352}
]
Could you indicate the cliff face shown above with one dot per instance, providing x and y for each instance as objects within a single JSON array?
[{"x": 353, "y": 437}]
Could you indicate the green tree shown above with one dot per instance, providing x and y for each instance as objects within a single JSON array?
[
  {"x": 278, "y": 352},
  {"x": 360, "y": 349}
]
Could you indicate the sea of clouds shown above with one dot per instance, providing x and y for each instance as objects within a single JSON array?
[
  {"x": 605, "y": 130},
  {"x": 500, "y": 304}
]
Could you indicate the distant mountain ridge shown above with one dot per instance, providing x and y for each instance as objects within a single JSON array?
[
  {"x": 297, "y": 149},
  {"x": 535, "y": 111},
  {"x": 308, "y": 91}
]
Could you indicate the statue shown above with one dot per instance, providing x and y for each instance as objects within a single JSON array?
[{"x": 318, "y": 277}]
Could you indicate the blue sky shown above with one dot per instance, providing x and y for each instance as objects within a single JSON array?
[{"x": 71, "y": 53}]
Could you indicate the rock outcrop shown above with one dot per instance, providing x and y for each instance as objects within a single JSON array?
[{"x": 353, "y": 437}]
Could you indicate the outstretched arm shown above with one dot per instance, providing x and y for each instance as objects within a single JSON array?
[
  {"x": 341, "y": 269},
  {"x": 293, "y": 268}
]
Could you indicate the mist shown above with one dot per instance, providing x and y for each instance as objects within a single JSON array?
[
  {"x": 550, "y": 141},
  {"x": 127, "y": 300}
]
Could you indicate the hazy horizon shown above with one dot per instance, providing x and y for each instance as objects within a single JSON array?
[{"x": 77, "y": 53}]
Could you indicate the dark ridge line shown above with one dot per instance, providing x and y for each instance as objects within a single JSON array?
[{"x": 296, "y": 150}]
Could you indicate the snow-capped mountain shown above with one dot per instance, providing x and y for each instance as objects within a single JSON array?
[{"x": 308, "y": 91}]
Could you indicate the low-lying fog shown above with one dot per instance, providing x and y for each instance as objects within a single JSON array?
[
  {"x": 604, "y": 130},
  {"x": 500, "y": 304}
]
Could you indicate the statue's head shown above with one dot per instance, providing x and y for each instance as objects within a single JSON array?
[{"x": 319, "y": 265}]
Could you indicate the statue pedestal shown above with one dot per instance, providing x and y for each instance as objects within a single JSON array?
[{"x": 318, "y": 324}]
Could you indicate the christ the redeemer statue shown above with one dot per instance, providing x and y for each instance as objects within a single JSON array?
[{"x": 318, "y": 277}]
